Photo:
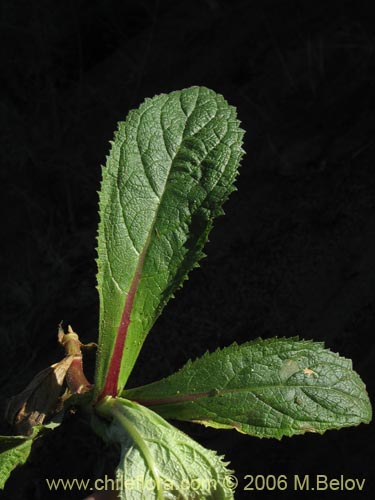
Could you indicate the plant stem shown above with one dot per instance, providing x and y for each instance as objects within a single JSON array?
[{"x": 75, "y": 377}]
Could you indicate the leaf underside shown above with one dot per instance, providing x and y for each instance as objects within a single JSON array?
[
  {"x": 159, "y": 462},
  {"x": 170, "y": 169},
  {"x": 266, "y": 388}
]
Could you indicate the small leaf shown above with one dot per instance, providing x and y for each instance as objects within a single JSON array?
[
  {"x": 171, "y": 167},
  {"x": 158, "y": 461},
  {"x": 14, "y": 451},
  {"x": 266, "y": 388}
]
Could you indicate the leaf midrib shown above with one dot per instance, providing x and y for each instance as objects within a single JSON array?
[
  {"x": 186, "y": 398},
  {"x": 111, "y": 381}
]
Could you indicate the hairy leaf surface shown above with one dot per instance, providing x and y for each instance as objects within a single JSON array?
[
  {"x": 14, "y": 451},
  {"x": 266, "y": 388},
  {"x": 160, "y": 462},
  {"x": 171, "y": 167}
]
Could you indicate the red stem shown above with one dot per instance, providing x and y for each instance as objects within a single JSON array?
[
  {"x": 173, "y": 400},
  {"x": 111, "y": 383}
]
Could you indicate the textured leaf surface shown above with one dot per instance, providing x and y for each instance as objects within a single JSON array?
[
  {"x": 171, "y": 167},
  {"x": 160, "y": 462},
  {"x": 267, "y": 388},
  {"x": 14, "y": 451}
]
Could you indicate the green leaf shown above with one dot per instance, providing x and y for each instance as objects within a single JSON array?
[
  {"x": 170, "y": 169},
  {"x": 266, "y": 388},
  {"x": 158, "y": 461},
  {"x": 14, "y": 451}
]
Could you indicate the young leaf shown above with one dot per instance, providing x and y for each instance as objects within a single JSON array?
[
  {"x": 171, "y": 167},
  {"x": 14, "y": 451},
  {"x": 266, "y": 388},
  {"x": 160, "y": 462}
]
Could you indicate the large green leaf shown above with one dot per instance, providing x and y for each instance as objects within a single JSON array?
[
  {"x": 267, "y": 388},
  {"x": 171, "y": 167},
  {"x": 158, "y": 461}
]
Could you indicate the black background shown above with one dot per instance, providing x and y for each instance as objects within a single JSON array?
[{"x": 295, "y": 253}]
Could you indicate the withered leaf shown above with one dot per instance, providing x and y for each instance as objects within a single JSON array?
[{"x": 40, "y": 399}]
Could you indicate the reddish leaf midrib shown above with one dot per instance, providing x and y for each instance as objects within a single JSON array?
[
  {"x": 111, "y": 382},
  {"x": 184, "y": 398}
]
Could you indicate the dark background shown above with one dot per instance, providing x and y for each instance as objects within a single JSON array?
[{"x": 295, "y": 253}]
